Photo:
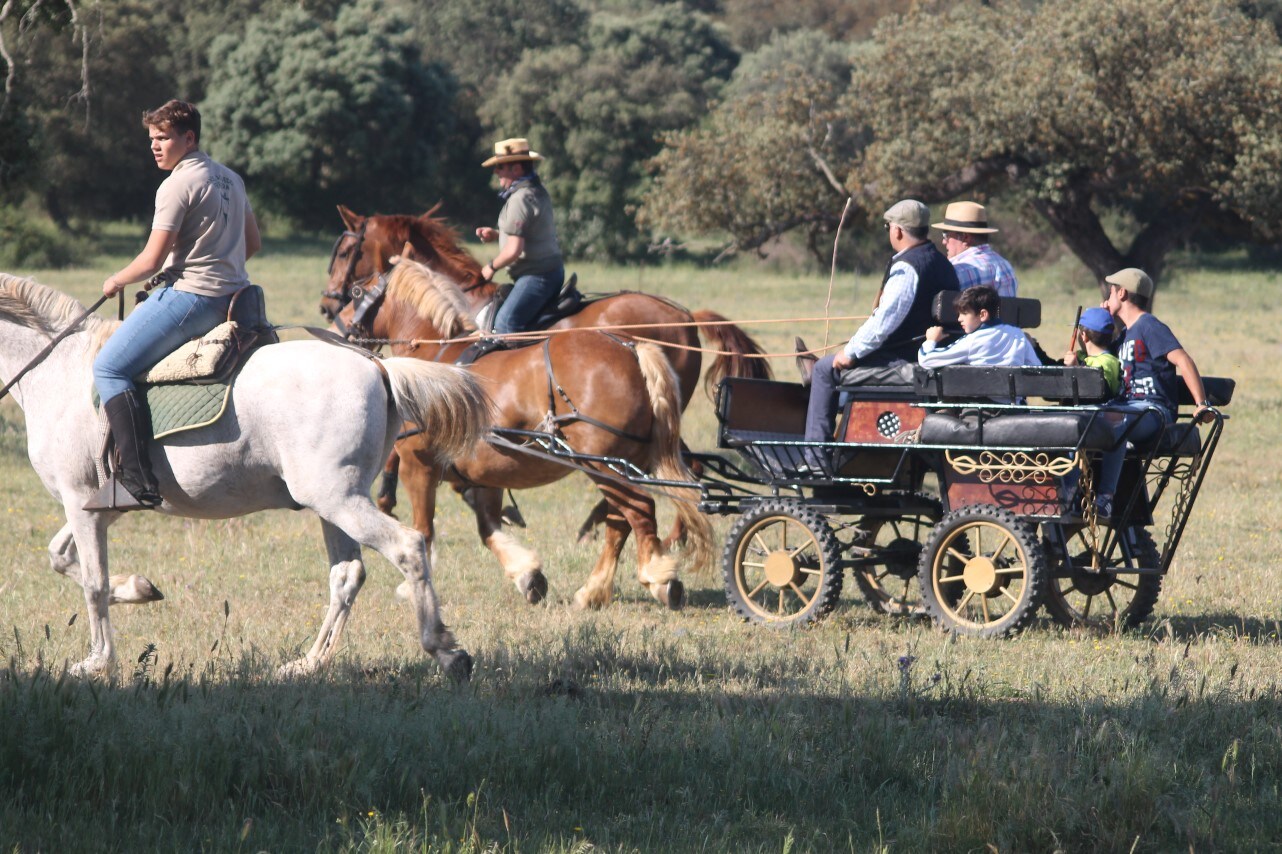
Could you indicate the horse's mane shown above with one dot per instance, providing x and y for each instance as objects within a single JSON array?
[
  {"x": 435, "y": 239},
  {"x": 432, "y": 295},
  {"x": 28, "y": 303}
]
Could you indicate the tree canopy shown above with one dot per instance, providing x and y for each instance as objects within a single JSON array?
[
  {"x": 316, "y": 114},
  {"x": 597, "y": 109},
  {"x": 1165, "y": 112}
]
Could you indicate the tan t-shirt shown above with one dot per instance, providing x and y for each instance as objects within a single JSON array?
[{"x": 205, "y": 203}]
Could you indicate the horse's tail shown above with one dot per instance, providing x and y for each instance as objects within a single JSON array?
[
  {"x": 664, "y": 390},
  {"x": 740, "y": 356},
  {"x": 446, "y": 402}
]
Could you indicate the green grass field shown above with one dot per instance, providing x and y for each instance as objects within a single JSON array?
[{"x": 634, "y": 728}]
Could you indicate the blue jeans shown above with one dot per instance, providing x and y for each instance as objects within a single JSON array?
[
  {"x": 875, "y": 369},
  {"x": 529, "y": 296},
  {"x": 155, "y": 328},
  {"x": 1148, "y": 420}
]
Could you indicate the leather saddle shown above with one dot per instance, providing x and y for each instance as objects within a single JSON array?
[
  {"x": 215, "y": 356},
  {"x": 567, "y": 302}
]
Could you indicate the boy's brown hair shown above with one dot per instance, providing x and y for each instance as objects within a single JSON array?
[
  {"x": 977, "y": 299},
  {"x": 1099, "y": 339},
  {"x": 174, "y": 116}
]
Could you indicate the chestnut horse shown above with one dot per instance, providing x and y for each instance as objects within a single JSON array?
[
  {"x": 364, "y": 250},
  {"x": 598, "y": 394}
]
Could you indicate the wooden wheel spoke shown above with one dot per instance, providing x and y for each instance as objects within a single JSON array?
[
  {"x": 983, "y": 606},
  {"x": 799, "y": 549},
  {"x": 970, "y": 594},
  {"x": 810, "y": 570},
  {"x": 1128, "y": 585},
  {"x": 954, "y": 553},
  {"x": 1011, "y": 570},
  {"x": 752, "y": 564},
  {"x": 1086, "y": 609},
  {"x": 752, "y": 594},
  {"x": 1001, "y": 547},
  {"x": 760, "y": 542},
  {"x": 1011, "y": 596},
  {"x": 948, "y": 579},
  {"x": 797, "y": 591}
]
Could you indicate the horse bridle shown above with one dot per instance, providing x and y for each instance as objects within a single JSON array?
[{"x": 343, "y": 294}]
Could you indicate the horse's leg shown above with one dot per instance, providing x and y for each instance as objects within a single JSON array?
[
  {"x": 123, "y": 589},
  {"x": 678, "y": 533},
  {"x": 387, "y": 486},
  {"x": 598, "y": 590},
  {"x": 89, "y": 531},
  {"x": 522, "y": 567},
  {"x": 406, "y": 549},
  {"x": 346, "y": 577},
  {"x": 656, "y": 569}
]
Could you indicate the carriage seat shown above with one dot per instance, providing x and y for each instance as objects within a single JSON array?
[{"x": 1085, "y": 430}]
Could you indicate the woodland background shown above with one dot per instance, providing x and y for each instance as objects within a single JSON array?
[{"x": 1114, "y": 130}]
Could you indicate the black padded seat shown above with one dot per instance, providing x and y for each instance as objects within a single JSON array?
[{"x": 1020, "y": 430}]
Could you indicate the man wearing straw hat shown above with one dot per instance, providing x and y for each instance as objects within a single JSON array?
[
  {"x": 884, "y": 349},
  {"x": 526, "y": 235},
  {"x": 965, "y": 240}
]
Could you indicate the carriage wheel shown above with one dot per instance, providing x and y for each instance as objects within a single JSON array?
[
  {"x": 890, "y": 585},
  {"x": 982, "y": 572},
  {"x": 1077, "y": 596},
  {"x": 782, "y": 564}
]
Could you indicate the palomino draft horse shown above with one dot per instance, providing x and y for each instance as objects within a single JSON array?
[
  {"x": 277, "y": 447},
  {"x": 363, "y": 252},
  {"x": 603, "y": 396}
]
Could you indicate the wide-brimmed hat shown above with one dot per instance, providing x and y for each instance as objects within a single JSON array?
[
  {"x": 965, "y": 216},
  {"x": 1133, "y": 280},
  {"x": 1096, "y": 320},
  {"x": 511, "y": 151},
  {"x": 908, "y": 213}
]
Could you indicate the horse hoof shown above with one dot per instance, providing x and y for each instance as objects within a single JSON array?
[
  {"x": 584, "y": 601},
  {"x": 672, "y": 594},
  {"x": 296, "y": 668},
  {"x": 457, "y": 664},
  {"x": 533, "y": 586}
]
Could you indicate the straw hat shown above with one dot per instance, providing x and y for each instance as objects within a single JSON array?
[
  {"x": 965, "y": 216},
  {"x": 511, "y": 151}
]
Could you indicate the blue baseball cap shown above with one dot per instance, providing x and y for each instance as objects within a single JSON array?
[{"x": 1096, "y": 320}]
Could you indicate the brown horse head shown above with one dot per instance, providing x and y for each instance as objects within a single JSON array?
[{"x": 365, "y": 248}]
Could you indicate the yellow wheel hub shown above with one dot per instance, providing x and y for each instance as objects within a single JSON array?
[
  {"x": 781, "y": 569},
  {"x": 980, "y": 575}
]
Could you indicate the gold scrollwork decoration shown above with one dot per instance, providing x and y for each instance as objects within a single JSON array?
[{"x": 1012, "y": 466}]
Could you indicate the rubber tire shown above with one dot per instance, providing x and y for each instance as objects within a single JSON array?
[
  {"x": 824, "y": 550},
  {"x": 961, "y": 530},
  {"x": 1143, "y": 600}
]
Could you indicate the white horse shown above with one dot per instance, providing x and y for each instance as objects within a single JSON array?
[{"x": 309, "y": 424}]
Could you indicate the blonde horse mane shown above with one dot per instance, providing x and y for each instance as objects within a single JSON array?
[
  {"x": 433, "y": 296},
  {"x": 28, "y": 303}
]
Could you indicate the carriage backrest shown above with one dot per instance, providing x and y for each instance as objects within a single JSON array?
[
  {"x": 1077, "y": 384},
  {"x": 1024, "y": 312}
]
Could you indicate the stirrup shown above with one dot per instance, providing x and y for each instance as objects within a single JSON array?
[{"x": 114, "y": 496}]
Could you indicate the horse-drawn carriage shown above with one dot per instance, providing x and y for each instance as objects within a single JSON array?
[{"x": 948, "y": 498}]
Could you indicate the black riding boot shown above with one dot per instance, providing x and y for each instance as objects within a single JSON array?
[{"x": 131, "y": 485}]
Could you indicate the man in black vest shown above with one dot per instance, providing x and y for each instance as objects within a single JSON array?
[{"x": 884, "y": 349}]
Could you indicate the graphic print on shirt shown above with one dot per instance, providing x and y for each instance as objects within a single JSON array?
[
  {"x": 1134, "y": 351},
  {"x": 222, "y": 186}
]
